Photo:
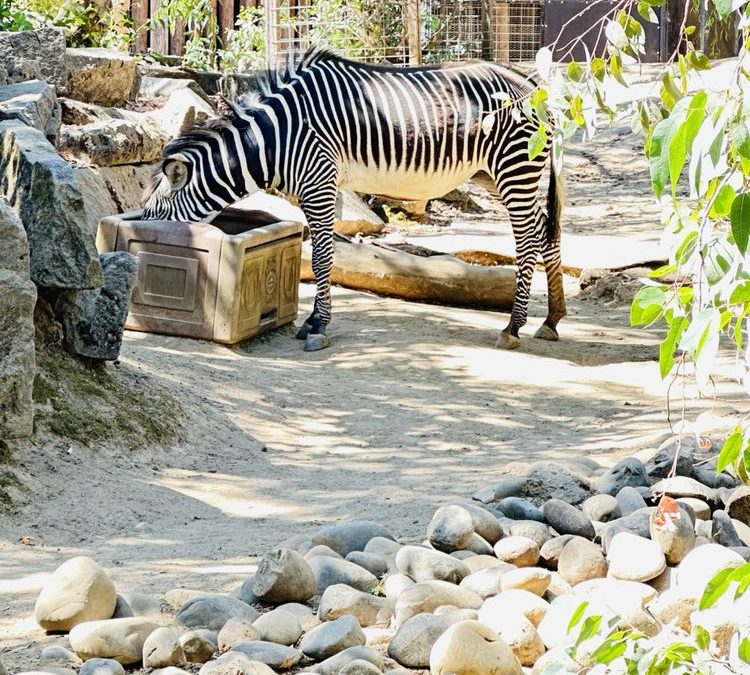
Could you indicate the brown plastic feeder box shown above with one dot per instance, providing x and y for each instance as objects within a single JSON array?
[{"x": 225, "y": 281}]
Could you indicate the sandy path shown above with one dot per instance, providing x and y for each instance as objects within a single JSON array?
[{"x": 412, "y": 407}]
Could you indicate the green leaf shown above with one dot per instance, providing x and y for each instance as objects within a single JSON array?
[
  {"x": 723, "y": 7},
  {"x": 537, "y": 142},
  {"x": 577, "y": 616},
  {"x": 702, "y": 637},
  {"x": 739, "y": 325},
  {"x": 699, "y": 60},
  {"x": 669, "y": 85},
  {"x": 740, "y": 219},
  {"x": 669, "y": 344},
  {"x": 715, "y": 588},
  {"x": 598, "y": 67},
  {"x": 590, "y": 626},
  {"x": 701, "y": 328},
  {"x": 723, "y": 202},
  {"x": 647, "y": 305},
  {"x": 686, "y": 247},
  {"x": 575, "y": 72},
  {"x": 664, "y": 157},
  {"x": 615, "y": 68},
  {"x": 741, "y": 139},
  {"x": 730, "y": 451},
  {"x": 742, "y": 573},
  {"x": 677, "y": 156},
  {"x": 609, "y": 651},
  {"x": 744, "y": 650},
  {"x": 682, "y": 141},
  {"x": 647, "y": 12},
  {"x": 662, "y": 271},
  {"x": 740, "y": 294}
]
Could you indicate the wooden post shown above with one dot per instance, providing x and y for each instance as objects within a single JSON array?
[
  {"x": 501, "y": 32},
  {"x": 139, "y": 16},
  {"x": 177, "y": 39},
  {"x": 160, "y": 33},
  {"x": 226, "y": 19},
  {"x": 413, "y": 31},
  {"x": 486, "y": 18},
  {"x": 271, "y": 12}
]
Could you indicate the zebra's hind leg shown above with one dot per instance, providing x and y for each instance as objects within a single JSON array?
[{"x": 555, "y": 292}]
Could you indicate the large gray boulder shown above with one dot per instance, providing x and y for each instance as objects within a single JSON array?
[
  {"x": 112, "y": 142},
  {"x": 41, "y": 188},
  {"x": 94, "y": 320},
  {"x": 17, "y": 300},
  {"x": 35, "y": 104},
  {"x": 164, "y": 87},
  {"x": 35, "y": 54},
  {"x": 111, "y": 189},
  {"x": 102, "y": 76}
]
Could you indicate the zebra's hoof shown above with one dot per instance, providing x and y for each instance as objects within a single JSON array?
[
  {"x": 507, "y": 341},
  {"x": 546, "y": 332},
  {"x": 316, "y": 341},
  {"x": 304, "y": 331}
]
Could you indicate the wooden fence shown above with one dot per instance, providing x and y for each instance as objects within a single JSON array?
[{"x": 161, "y": 40}]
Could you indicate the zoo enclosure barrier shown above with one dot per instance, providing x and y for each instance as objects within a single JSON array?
[{"x": 427, "y": 31}]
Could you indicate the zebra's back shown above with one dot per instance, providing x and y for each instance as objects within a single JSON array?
[{"x": 411, "y": 133}]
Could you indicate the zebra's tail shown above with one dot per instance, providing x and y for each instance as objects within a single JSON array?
[{"x": 555, "y": 201}]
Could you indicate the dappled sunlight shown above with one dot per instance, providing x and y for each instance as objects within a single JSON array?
[
  {"x": 226, "y": 493},
  {"x": 27, "y": 583}
]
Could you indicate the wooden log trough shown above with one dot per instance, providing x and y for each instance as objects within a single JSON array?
[{"x": 439, "y": 279}]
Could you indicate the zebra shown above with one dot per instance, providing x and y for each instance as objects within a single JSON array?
[{"x": 411, "y": 133}]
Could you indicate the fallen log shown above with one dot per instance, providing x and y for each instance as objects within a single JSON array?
[{"x": 440, "y": 279}]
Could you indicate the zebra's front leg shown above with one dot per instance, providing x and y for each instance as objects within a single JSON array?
[{"x": 320, "y": 218}]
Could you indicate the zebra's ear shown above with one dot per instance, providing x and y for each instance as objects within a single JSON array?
[{"x": 176, "y": 172}]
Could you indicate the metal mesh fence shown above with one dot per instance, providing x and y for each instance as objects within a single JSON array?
[
  {"x": 453, "y": 30},
  {"x": 516, "y": 30},
  {"x": 367, "y": 30},
  {"x": 377, "y": 31}
]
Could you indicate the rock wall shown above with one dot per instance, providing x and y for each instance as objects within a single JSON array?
[
  {"x": 79, "y": 132},
  {"x": 17, "y": 300},
  {"x": 35, "y": 55},
  {"x": 42, "y": 189},
  {"x": 54, "y": 188}
]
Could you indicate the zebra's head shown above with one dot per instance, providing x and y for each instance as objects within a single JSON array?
[{"x": 201, "y": 172}]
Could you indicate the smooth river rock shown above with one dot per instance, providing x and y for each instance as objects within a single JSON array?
[
  {"x": 450, "y": 529},
  {"x": 413, "y": 641},
  {"x": 424, "y": 564},
  {"x": 78, "y": 591},
  {"x": 332, "y": 637},
  {"x": 213, "y": 611},
  {"x": 118, "y": 639},
  {"x": 470, "y": 648},
  {"x": 567, "y": 519},
  {"x": 634, "y": 558},
  {"x": 581, "y": 560},
  {"x": 340, "y": 600},
  {"x": 519, "y": 551},
  {"x": 284, "y": 576}
]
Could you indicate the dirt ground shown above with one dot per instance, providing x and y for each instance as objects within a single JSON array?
[{"x": 410, "y": 408}]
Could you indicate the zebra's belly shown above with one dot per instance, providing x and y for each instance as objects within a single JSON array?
[{"x": 406, "y": 183}]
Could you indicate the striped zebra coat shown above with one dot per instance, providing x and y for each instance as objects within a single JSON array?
[{"x": 406, "y": 133}]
